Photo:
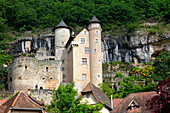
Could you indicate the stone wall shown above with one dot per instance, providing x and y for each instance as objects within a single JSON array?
[{"x": 29, "y": 73}]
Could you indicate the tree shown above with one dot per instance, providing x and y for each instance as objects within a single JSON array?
[
  {"x": 64, "y": 101},
  {"x": 161, "y": 102},
  {"x": 162, "y": 66}
]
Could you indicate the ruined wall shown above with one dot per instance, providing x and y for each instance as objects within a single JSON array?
[{"x": 29, "y": 73}]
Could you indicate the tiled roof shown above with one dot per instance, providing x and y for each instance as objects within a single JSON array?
[
  {"x": 21, "y": 101},
  {"x": 94, "y": 19},
  {"x": 98, "y": 94},
  {"x": 61, "y": 25},
  {"x": 116, "y": 102},
  {"x": 3, "y": 101},
  {"x": 139, "y": 98}
]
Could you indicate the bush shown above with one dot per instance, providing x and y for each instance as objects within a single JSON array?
[
  {"x": 152, "y": 31},
  {"x": 119, "y": 74}
]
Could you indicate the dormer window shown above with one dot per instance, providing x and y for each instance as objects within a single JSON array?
[{"x": 133, "y": 106}]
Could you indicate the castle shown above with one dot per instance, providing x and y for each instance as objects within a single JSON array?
[{"x": 59, "y": 58}]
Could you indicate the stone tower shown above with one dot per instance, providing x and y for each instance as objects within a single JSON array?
[
  {"x": 94, "y": 27},
  {"x": 62, "y": 35}
]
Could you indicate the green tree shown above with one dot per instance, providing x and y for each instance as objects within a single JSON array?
[
  {"x": 64, "y": 102},
  {"x": 162, "y": 66}
]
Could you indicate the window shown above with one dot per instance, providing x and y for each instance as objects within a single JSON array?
[
  {"x": 84, "y": 32},
  {"x": 97, "y": 32},
  {"x": 25, "y": 66},
  {"x": 62, "y": 61},
  {"x": 99, "y": 61},
  {"x": 94, "y": 50},
  {"x": 62, "y": 68},
  {"x": 43, "y": 78},
  {"x": 64, "y": 76},
  {"x": 51, "y": 78},
  {"x": 98, "y": 76},
  {"x": 82, "y": 40},
  {"x": 96, "y": 40},
  {"x": 62, "y": 43},
  {"x": 36, "y": 87},
  {"x": 88, "y": 96},
  {"x": 86, "y": 50},
  {"x": 84, "y": 61},
  {"x": 46, "y": 69},
  {"x": 62, "y": 51},
  {"x": 84, "y": 77}
]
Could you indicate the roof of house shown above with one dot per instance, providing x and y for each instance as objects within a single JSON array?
[
  {"x": 3, "y": 101},
  {"x": 139, "y": 98},
  {"x": 21, "y": 101},
  {"x": 98, "y": 94},
  {"x": 116, "y": 102},
  {"x": 61, "y": 25}
]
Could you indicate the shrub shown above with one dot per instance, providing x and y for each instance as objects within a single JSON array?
[
  {"x": 152, "y": 31},
  {"x": 119, "y": 74}
]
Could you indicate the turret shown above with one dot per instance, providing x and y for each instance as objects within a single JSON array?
[
  {"x": 62, "y": 35},
  {"x": 94, "y": 27}
]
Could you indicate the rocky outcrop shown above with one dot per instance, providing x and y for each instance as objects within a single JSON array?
[{"x": 131, "y": 48}]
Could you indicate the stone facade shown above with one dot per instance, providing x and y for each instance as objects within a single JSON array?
[
  {"x": 46, "y": 61},
  {"x": 29, "y": 73}
]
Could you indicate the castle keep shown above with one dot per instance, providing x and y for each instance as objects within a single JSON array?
[{"x": 57, "y": 58}]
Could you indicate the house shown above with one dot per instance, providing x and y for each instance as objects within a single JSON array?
[
  {"x": 93, "y": 95},
  {"x": 135, "y": 102},
  {"x": 22, "y": 103}
]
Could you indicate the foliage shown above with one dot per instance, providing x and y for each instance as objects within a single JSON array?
[
  {"x": 129, "y": 85},
  {"x": 64, "y": 101},
  {"x": 119, "y": 74},
  {"x": 160, "y": 102},
  {"x": 114, "y": 14},
  {"x": 152, "y": 31},
  {"x": 162, "y": 66},
  {"x": 148, "y": 71}
]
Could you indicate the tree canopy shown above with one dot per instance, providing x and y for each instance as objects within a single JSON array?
[
  {"x": 64, "y": 101},
  {"x": 44, "y": 13}
]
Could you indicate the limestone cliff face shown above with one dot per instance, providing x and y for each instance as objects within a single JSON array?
[{"x": 134, "y": 48}]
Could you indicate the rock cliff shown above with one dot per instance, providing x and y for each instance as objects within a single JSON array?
[
  {"x": 133, "y": 48},
  {"x": 130, "y": 48}
]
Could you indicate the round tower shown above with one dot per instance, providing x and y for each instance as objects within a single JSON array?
[
  {"x": 62, "y": 35},
  {"x": 94, "y": 27}
]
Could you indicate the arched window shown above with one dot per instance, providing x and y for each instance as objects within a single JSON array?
[
  {"x": 36, "y": 87},
  {"x": 41, "y": 87}
]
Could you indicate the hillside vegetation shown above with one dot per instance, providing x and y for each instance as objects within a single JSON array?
[{"x": 117, "y": 17}]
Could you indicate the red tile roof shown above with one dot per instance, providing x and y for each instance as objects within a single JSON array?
[
  {"x": 139, "y": 98},
  {"x": 21, "y": 101},
  {"x": 116, "y": 102},
  {"x": 3, "y": 101}
]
